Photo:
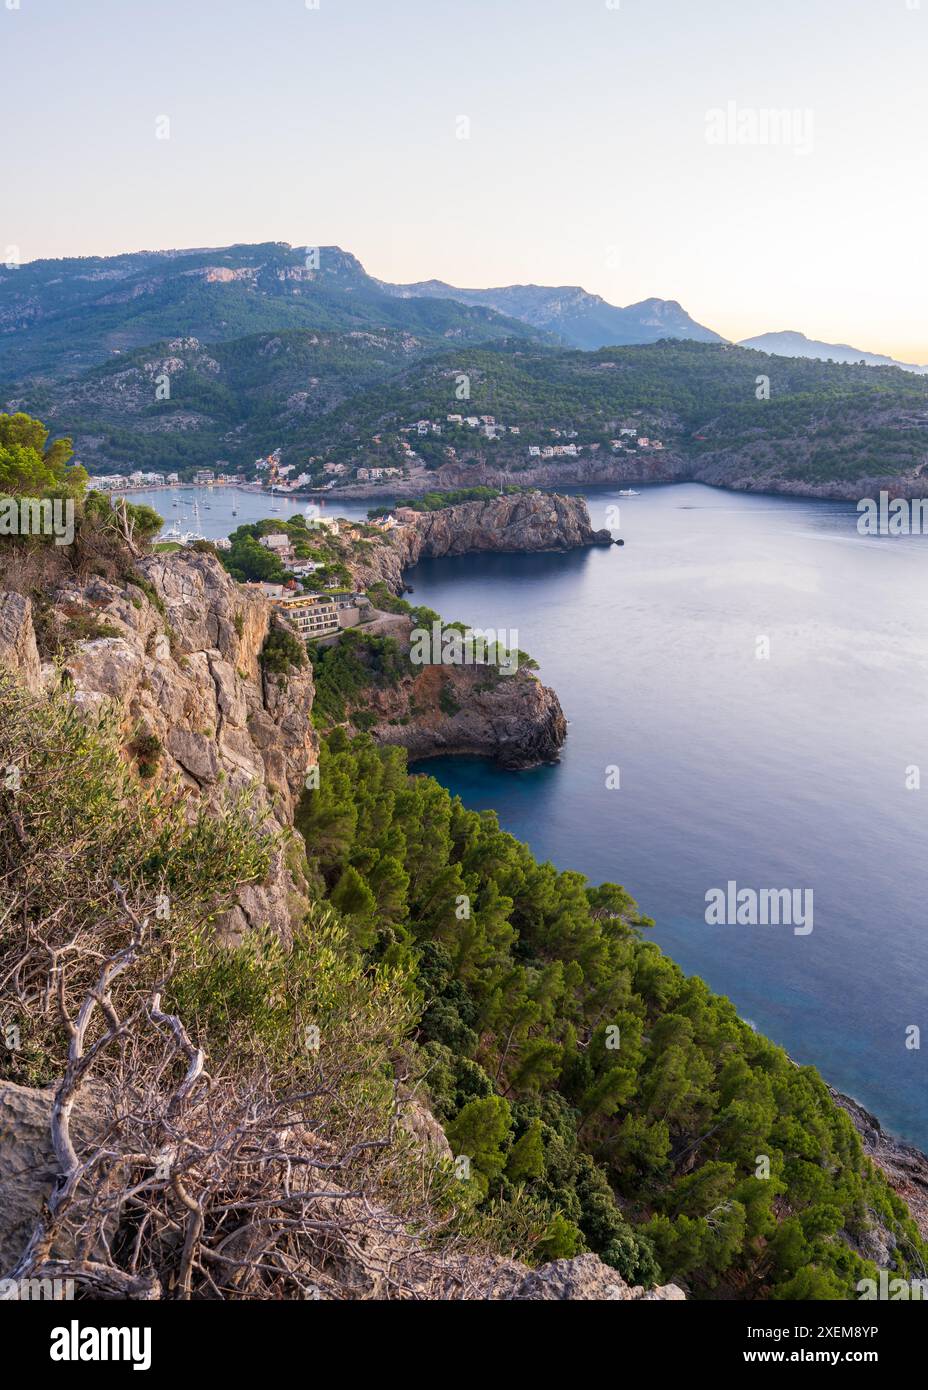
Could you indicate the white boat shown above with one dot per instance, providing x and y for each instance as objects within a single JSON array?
[{"x": 628, "y": 492}]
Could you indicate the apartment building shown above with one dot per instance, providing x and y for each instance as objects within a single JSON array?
[{"x": 313, "y": 615}]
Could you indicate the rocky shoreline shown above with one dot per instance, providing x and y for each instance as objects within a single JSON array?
[
  {"x": 904, "y": 1165},
  {"x": 669, "y": 466},
  {"x": 473, "y": 710},
  {"x": 517, "y": 523}
]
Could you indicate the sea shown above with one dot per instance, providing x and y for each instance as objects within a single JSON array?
[{"x": 746, "y": 684}]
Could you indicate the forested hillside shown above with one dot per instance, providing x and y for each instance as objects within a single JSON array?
[
  {"x": 58, "y": 317},
  {"x": 723, "y": 414},
  {"x": 606, "y": 1101}
]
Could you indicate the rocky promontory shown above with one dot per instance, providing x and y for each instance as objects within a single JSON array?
[
  {"x": 438, "y": 710},
  {"x": 508, "y": 524}
]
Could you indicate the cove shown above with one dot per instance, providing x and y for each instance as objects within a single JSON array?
[{"x": 790, "y": 773}]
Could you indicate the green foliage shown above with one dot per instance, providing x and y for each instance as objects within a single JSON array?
[
  {"x": 264, "y": 999},
  {"x": 30, "y": 466},
  {"x": 381, "y": 597},
  {"x": 113, "y": 515},
  {"x": 447, "y": 703},
  {"x": 561, "y": 1240},
  {"x": 437, "y": 501},
  {"x": 75, "y": 789},
  {"x": 527, "y": 1159},
  {"x": 147, "y": 749},
  {"x": 345, "y": 670},
  {"x": 283, "y": 652},
  {"x": 87, "y": 626},
  {"x": 481, "y": 1130},
  {"x": 645, "y": 1152}
]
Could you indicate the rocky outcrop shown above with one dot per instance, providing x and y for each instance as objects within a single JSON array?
[
  {"x": 584, "y": 1279},
  {"x": 904, "y": 1166},
  {"x": 416, "y": 1119},
  {"x": 529, "y": 521},
  {"x": 28, "y": 1167},
  {"x": 18, "y": 648},
  {"x": 445, "y": 710},
  {"x": 180, "y": 662}
]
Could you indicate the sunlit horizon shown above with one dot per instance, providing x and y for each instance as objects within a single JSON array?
[{"x": 538, "y": 142}]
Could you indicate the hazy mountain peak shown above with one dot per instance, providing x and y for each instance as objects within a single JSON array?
[
  {"x": 579, "y": 318},
  {"x": 791, "y": 343}
]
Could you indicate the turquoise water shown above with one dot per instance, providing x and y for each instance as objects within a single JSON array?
[{"x": 780, "y": 773}]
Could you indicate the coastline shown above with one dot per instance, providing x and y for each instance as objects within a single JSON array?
[
  {"x": 904, "y": 1165},
  {"x": 725, "y": 474},
  {"x": 902, "y": 1162}
]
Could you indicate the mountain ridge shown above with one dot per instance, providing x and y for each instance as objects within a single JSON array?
[
  {"x": 791, "y": 343},
  {"x": 580, "y": 318}
]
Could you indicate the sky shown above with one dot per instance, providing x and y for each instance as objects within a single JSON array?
[{"x": 762, "y": 163}]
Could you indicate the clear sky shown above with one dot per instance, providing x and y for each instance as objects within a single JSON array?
[{"x": 589, "y": 159}]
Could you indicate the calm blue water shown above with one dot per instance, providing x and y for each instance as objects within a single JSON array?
[{"x": 781, "y": 773}]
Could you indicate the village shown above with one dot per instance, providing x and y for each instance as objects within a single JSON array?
[
  {"x": 487, "y": 427},
  {"x": 321, "y": 615},
  {"x": 270, "y": 474}
]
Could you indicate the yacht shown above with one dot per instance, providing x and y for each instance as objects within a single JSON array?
[{"x": 628, "y": 492}]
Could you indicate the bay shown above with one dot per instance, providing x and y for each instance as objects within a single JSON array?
[
  {"x": 787, "y": 772},
  {"x": 781, "y": 773}
]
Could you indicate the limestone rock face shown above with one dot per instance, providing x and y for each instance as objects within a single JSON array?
[
  {"x": 530, "y": 521},
  {"x": 585, "y": 1278},
  {"x": 18, "y": 648},
  {"x": 418, "y": 1121},
  {"x": 28, "y": 1167},
  {"x": 445, "y": 710},
  {"x": 180, "y": 662}
]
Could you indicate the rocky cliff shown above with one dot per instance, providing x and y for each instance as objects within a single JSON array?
[
  {"x": 178, "y": 654},
  {"x": 440, "y": 710},
  {"x": 520, "y": 522}
]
